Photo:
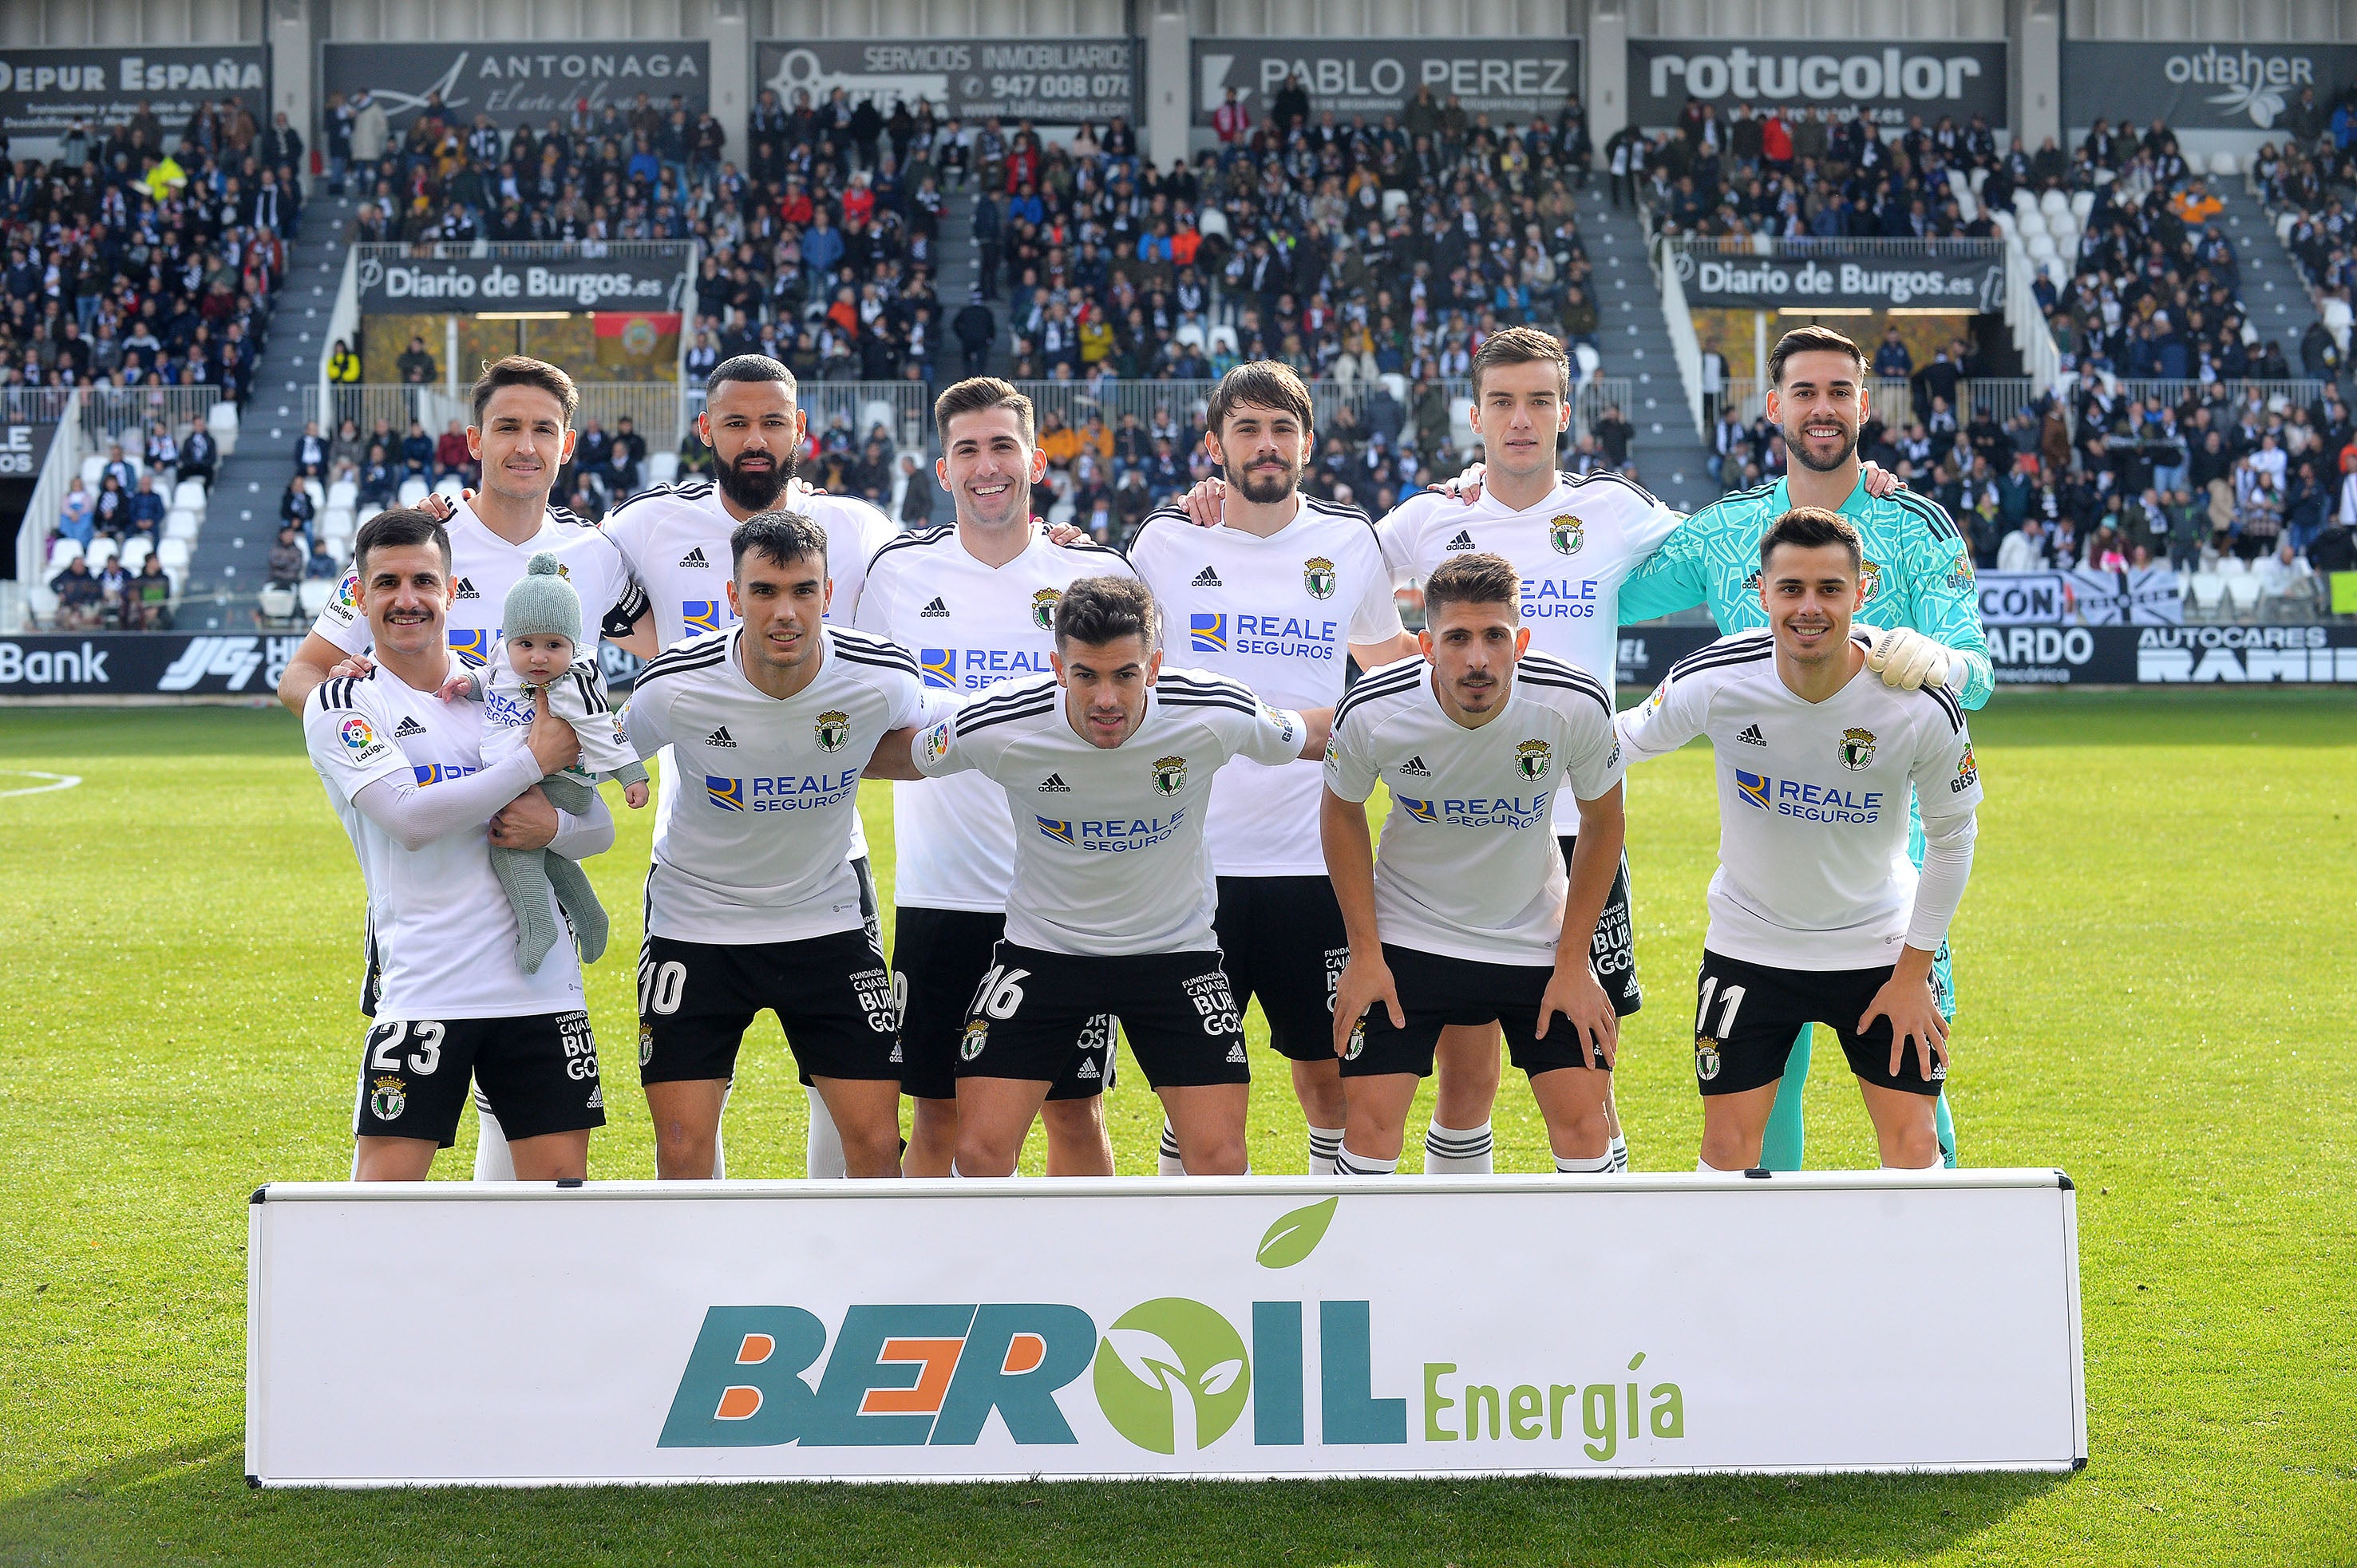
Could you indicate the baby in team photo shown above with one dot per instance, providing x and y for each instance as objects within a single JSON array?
[{"x": 535, "y": 655}]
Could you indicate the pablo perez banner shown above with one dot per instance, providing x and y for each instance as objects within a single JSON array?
[{"x": 1262, "y": 1328}]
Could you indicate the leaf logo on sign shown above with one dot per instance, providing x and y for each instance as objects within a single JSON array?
[{"x": 1296, "y": 1235}]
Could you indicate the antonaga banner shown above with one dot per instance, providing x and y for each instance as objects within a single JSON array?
[
  {"x": 1245, "y": 1327},
  {"x": 527, "y": 83}
]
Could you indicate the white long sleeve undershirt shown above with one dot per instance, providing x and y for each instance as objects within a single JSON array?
[{"x": 1940, "y": 889}]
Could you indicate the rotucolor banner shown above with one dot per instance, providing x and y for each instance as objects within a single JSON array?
[
  {"x": 1890, "y": 81},
  {"x": 1246, "y": 1327}
]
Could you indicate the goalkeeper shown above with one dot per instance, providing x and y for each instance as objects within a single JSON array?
[
  {"x": 1918, "y": 590},
  {"x": 539, "y": 631}
]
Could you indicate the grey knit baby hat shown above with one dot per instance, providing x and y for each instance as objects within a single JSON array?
[{"x": 542, "y": 604}]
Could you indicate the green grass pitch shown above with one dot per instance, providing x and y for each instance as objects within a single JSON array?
[{"x": 2159, "y": 996}]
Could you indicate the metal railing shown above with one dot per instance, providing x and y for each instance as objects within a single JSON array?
[
  {"x": 1801, "y": 248},
  {"x": 655, "y": 409},
  {"x": 34, "y": 406},
  {"x": 684, "y": 251},
  {"x": 2277, "y": 396},
  {"x": 1893, "y": 401},
  {"x": 124, "y": 413}
]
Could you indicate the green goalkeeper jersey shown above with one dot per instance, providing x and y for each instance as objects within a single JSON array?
[{"x": 1918, "y": 571}]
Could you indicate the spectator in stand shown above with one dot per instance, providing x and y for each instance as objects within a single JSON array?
[
  {"x": 74, "y": 514},
  {"x": 311, "y": 452},
  {"x": 110, "y": 511},
  {"x": 199, "y": 454},
  {"x": 288, "y": 559},
  {"x": 417, "y": 453},
  {"x": 379, "y": 480},
  {"x": 415, "y": 366},
  {"x": 147, "y": 601},
  {"x": 297, "y": 510},
  {"x": 451, "y": 458},
  {"x": 1892, "y": 363},
  {"x": 321, "y": 563},
  {"x": 144, "y": 515},
  {"x": 80, "y": 601}
]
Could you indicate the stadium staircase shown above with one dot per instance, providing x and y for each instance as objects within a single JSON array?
[
  {"x": 2279, "y": 305},
  {"x": 227, "y": 568},
  {"x": 958, "y": 268},
  {"x": 1634, "y": 340}
]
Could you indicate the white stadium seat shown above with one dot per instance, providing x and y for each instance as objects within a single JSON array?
[
  {"x": 2041, "y": 248},
  {"x": 2058, "y": 271},
  {"x": 174, "y": 555},
  {"x": 62, "y": 551},
  {"x": 2231, "y": 567},
  {"x": 2029, "y": 223},
  {"x": 188, "y": 495},
  {"x": 181, "y": 523},
  {"x": 278, "y": 604},
  {"x": 2196, "y": 164},
  {"x": 2225, "y": 165},
  {"x": 663, "y": 467},
  {"x": 1211, "y": 220},
  {"x": 222, "y": 421},
  {"x": 2243, "y": 592},
  {"x": 343, "y": 493},
  {"x": 1460, "y": 423},
  {"x": 91, "y": 467},
  {"x": 1590, "y": 361},
  {"x": 1190, "y": 333},
  {"x": 337, "y": 520},
  {"x": 449, "y": 486},
  {"x": 413, "y": 490},
  {"x": 2053, "y": 202},
  {"x": 1223, "y": 335},
  {"x": 135, "y": 553},
  {"x": 42, "y": 603},
  {"x": 2208, "y": 593},
  {"x": 318, "y": 494},
  {"x": 1394, "y": 203},
  {"x": 316, "y": 592},
  {"x": 101, "y": 551}
]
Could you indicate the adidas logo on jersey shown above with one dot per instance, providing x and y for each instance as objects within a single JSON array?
[
  {"x": 721, "y": 737},
  {"x": 696, "y": 558},
  {"x": 406, "y": 728},
  {"x": 936, "y": 610},
  {"x": 1414, "y": 767},
  {"x": 1464, "y": 541},
  {"x": 1750, "y": 735},
  {"x": 1054, "y": 785},
  {"x": 1087, "y": 1068},
  {"x": 465, "y": 589},
  {"x": 896, "y": 1057},
  {"x": 1236, "y": 1052},
  {"x": 1207, "y": 578}
]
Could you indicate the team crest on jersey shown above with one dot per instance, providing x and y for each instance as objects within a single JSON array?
[
  {"x": 646, "y": 1044},
  {"x": 1856, "y": 749},
  {"x": 977, "y": 1034},
  {"x": 833, "y": 730},
  {"x": 1317, "y": 576},
  {"x": 1706, "y": 1060},
  {"x": 1043, "y": 609},
  {"x": 1531, "y": 760},
  {"x": 1566, "y": 535},
  {"x": 1169, "y": 774},
  {"x": 1968, "y": 773},
  {"x": 1869, "y": 579},
  {"x": 388, "y": 1100},
  {"x": 1358, "y": 1041}
]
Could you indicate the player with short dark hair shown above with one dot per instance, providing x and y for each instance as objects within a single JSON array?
[
  {"x": 753, "y": 902},
  {"x": 1106, "y": 766},
  {"x": 448, "y": 1000},
  {"x": 676, "y": 538},
  {"x": 1471, "y": 913},
  {"x": 1816, "y": 916}
]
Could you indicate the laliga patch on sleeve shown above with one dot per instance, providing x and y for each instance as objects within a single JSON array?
[
  {"x": 937, "y": 742},
  {"x": 344, "y": 608},
  {"x": 361, "y": 746}
]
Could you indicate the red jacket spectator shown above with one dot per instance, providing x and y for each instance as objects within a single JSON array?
[
  {"x": 1776, "y": 140},
  {"x": 450, "y": 455}
]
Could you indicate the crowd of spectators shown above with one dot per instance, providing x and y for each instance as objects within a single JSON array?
[{"x": 138, "y": 258}]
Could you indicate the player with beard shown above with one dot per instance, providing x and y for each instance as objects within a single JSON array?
[
  {"x": 522, "y": 436},
  {"x": 675, "y": 539},
  {"x": 1916, "y": 576},
  {"x": 1283, "y": 596}
]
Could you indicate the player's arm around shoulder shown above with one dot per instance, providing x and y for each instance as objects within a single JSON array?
[
  {"x": 1674, "y": 713},
  {"x": 1943, "y": 606},
  {"x": 1350, "y": 851},
  {"x": 891, "y": 670},
  {"x": 1670, "y": 577}
]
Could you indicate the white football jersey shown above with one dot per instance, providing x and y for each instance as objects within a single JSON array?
[
  {"x": 675, "y": 540},
  {"x": 483, "y": 567},
  {"x": 1279, "y": 614},
  {"x": 1574, "y": 550},
  {"x": 758, "y": 845},
  {"x": 1109, "y": 856},
  {"x": 1468, "y": 865},
  {"x": 1812, "y": 868},
  {"x": 971, "y": 628},
  {"x": 441, "y": 935}
]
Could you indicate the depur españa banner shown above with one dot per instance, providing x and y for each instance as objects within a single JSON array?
[{"x": 1254, "y": 1328}]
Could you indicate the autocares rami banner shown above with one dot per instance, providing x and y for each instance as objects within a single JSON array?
[{"x": 1253, "y": 1327}]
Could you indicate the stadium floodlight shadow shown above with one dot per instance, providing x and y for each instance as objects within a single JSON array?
[{"x": 188, "y": 1501}]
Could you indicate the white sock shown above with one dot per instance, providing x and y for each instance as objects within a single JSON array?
[
  {"x": 720, "y": 1153},
  {"x": 1620, "y": 1153},
  {"x": 1570, "y": 1165},
  {"x": 1325, "y": 1143},
  {"x": 1458, "y": 1151},
  {"x": 1347, "y": 1163},
  {"x": 493, "y": 1162},
  {"x": 954, "y": 1171},
  {"x": 1168, "y": 1163},
  {"x": 1707, "y": 1168},
  {"x": 1935, "y": 1165},
  {"x": 823, "y": 1160}
]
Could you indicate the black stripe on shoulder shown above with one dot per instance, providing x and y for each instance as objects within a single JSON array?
[
  {"x": 1556, "y": 677},
  {"x": 330, "y": 695},
  {"x": 1337, "y": 510},
  {"x": 971, "y": 720},
  {"x": 1756, "y": 492},
  {"x": 682, "y": 660},
  {"x": 1743, "y": 647},
  {"x": 1948, "y": 705},
  {"x": 1090, "y": 547},
  {"x": 471, "y": 660},
  {"x": 1008, "y": 692},
  {"x": 685, "y": 491},
  {"x": 850, "y": 638},
  {"x": 1935, "y": 516},
  {"x": 1609, "y": 476},
  {"x": 1205, "y": 681},
  {"x": 1371, "y": 687},
  {"x": 894, "y": 658},
  {"x": 1183, "y": 697},
  {"x": 933, "y": 535}
]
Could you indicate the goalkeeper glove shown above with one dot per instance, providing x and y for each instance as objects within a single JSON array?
[{"x": 1907, "y": 659}]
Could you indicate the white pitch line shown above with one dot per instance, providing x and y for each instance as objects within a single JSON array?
[{"x": 58, "y": 781}]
